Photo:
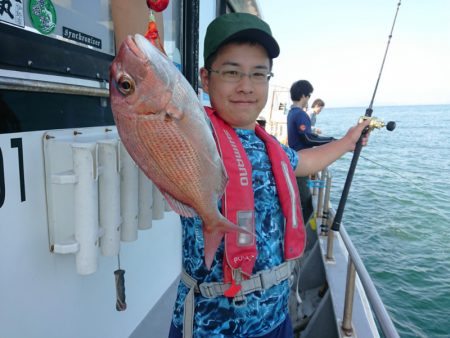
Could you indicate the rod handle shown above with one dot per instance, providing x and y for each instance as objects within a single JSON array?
[{"x": 121, "y": 305}]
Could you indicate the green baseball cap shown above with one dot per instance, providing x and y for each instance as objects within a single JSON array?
[{"x": 239, "y": 25}]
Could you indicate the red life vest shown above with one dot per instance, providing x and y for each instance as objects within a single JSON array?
[{"x": 238, "y": 201}]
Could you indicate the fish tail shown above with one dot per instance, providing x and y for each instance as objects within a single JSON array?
[
  {"x": 213, "y": 234},
  {"x": 212, "y": 243}
]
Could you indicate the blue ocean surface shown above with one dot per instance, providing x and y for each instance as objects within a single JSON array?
[{"x": 398, "y": 211}]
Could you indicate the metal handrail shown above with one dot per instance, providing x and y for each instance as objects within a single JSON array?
[
  {"x": 355, "y": 262},
  {"x": 385, "y": 321},
  {"x": 51, "y": 87},
  {"x": 349, "y": 296}
]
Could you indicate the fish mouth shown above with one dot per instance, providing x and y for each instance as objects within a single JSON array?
[
  {"x": 134, "y": 47},
  {"x": 120, "y": 81},
  {"x": 116, "y": 68}
]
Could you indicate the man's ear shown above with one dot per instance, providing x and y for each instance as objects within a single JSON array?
[{"x": 204, "y": 78}]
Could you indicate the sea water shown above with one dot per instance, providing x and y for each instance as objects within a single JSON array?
[{"x": 398, "y": 211}]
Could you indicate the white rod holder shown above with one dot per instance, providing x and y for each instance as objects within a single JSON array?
[
  {"x": 158, "y": 204},
  {"x": 129, "y": 187},
  {"x": 167, "y": 205},
  {"x": 86, "y": 206},
  {"x": 145, "y": 201},
  {"x": 109, "y": 197}
]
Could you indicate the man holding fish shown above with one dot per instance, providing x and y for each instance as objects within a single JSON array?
[{"x": 236, "y": 262}]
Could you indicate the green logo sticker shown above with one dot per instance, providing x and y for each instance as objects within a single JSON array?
[{"x": 42, "y": 15}]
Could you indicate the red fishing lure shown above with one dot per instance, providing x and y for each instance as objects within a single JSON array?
[{"x": 152, "y": 34}]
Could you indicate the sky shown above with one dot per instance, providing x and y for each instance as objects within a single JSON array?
[{"x": 339, "y": 47}]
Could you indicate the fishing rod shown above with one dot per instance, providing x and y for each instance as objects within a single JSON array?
[{"x": 373, "y": 124}]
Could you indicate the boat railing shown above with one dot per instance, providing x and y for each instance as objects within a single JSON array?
[
  {"x": 355, "y": 264},
  {"x": 14, "y": 80}
]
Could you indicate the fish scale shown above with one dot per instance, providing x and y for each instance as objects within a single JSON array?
[{"x": 182, "y": 172}]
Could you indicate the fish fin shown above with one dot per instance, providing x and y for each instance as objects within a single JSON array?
[
  {"x": 180, "y": 208},
  {"x": 214, "y": 236},
  {"x": 174, "y": 112},
  {"x": 223, "y": 183}
]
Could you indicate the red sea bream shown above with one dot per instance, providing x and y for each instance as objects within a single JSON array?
[{"x": 167, "y": 133}]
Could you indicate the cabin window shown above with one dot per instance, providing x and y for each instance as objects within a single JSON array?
[
  {"x": 24, "y": 111},
  {"x": 172, "y": 32}
]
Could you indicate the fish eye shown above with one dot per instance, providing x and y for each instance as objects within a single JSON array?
[{"x": 126, "y": 85}]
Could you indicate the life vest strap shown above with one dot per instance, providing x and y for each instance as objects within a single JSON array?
[
  {"x": 189, "y": 305},
  {"x": 260, "y": 281}
]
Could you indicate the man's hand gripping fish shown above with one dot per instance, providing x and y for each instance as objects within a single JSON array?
[{"x": 166, "y": 131}]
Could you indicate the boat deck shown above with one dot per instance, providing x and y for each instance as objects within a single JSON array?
[{"x": 159, "y": 318}]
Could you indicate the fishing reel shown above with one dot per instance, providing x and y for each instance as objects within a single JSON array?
[{"x": 377, "y": 123}]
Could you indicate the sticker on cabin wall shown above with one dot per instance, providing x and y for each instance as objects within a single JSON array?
[
  {"x": 82, "y": 38},
  {"x": 11, "y": 11},
  {"x": 42, "y": 15}
]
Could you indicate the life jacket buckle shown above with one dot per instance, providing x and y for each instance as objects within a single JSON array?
[
  {"x": 240, "y": 301},
  {"x": 235, "y": 290}
]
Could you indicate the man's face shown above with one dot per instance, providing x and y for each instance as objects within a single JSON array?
[
  {"x": 238, "y": 103},
  {"x": 317, "y": 109},
  {"x": 304, "y": 101}
]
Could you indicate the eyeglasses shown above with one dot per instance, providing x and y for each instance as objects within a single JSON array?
[{"x": 234, "y": 76}]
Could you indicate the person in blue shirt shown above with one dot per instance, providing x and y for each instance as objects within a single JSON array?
[
  {"x": 301, "y": 136},
  {"x": 238, "y": 52}
]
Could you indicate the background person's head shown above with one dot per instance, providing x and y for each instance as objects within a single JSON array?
[
  {"x": 301, "y": 91},
  {"x": 317, "y": 105},
  {"x": 238, "y": 53}
]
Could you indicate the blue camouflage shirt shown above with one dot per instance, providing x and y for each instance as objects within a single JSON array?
[{"x": 265, "y": 310}]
